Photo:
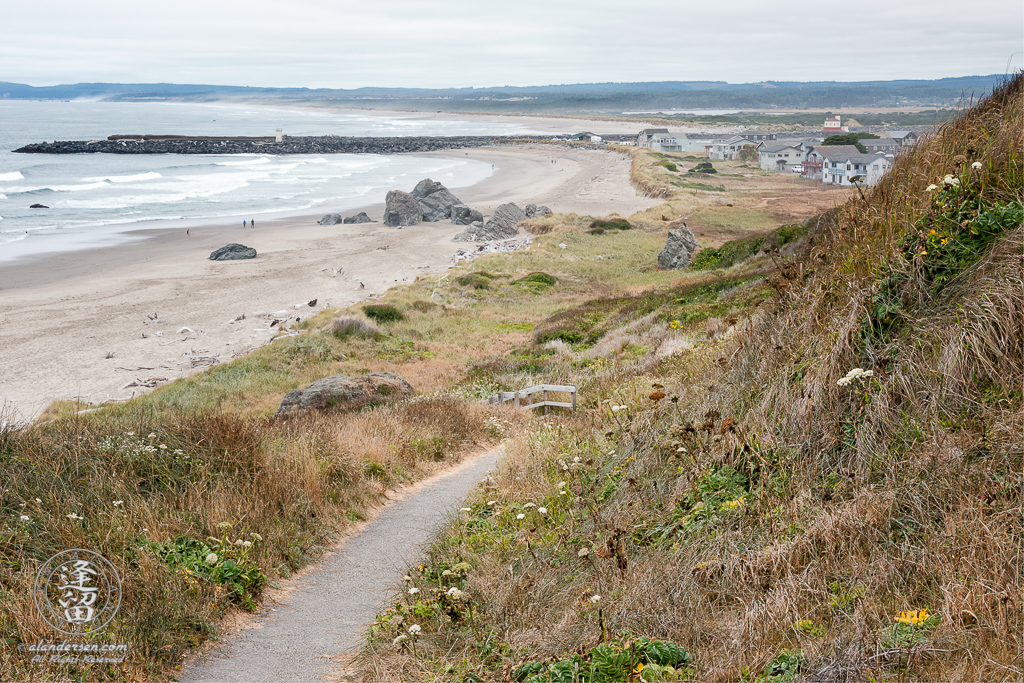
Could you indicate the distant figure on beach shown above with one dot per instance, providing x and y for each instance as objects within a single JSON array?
[
  {"x": 188, "y": 233},
  {"x": 252, "y": 224},
  {"x": 245, "y": 224}
]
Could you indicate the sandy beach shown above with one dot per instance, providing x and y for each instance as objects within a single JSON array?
[{"x": 81, "y": 324}]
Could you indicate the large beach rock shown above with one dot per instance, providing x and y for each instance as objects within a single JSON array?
[
  {"x": 679, "y": 248},
  {"x": 535, "y": 211},
  {"x": 330, "y": 219},
  {"x": 402, "y": 209},
  {"x": 346, "y": 393},
  {"x": 427, "y": 187},
  {"x": 463, "y": 215},
  {"x": 233, "y": 252},
  {"x": 503, "y": 225},
  {"x": 438, "y": 206},
  {"x": 360, "y": 217}
]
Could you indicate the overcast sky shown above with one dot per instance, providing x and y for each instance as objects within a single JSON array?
[{"x": 456, "y": 43}]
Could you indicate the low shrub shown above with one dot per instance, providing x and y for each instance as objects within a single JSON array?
[
  {"x": 353, "y": 327},
  {"x": 613, "y": 224},
  {"x": 670, "y": 166},
  {"x": 383, "y": 313},
  {"x": 537, "y": 282},
  {"x": 703, "y": 167},
  {"x": 478, "y": 280}
]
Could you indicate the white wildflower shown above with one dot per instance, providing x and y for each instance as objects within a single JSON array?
[
  {"x": 491, "y": 502},
  {"x": 595, "y": 599},
  {"x": 583, "y": 552},
  {"x": 931, "y": 187},
  {"x": 118, "y": 502},
  {"x": 529, "y": 505},
  {"x": 247, "y": 544},
  {"x": 26, "y": 518},
  {"x": 238, "y": 542},
  {"x": 415, "y": 629},
  {"x": 447, "y": 572},
  {"x": 951, "y": 181},
  {"x": 465, "y": 509},
  {"x": 407, "y": 578},
  {"x": 211, "y": 559},
  {"x": 400, "y": 639},
  {"x": 542, "y": 511},
  {"x": 38, "y": 501},
  {"x": 616, "y": 409},
  {"x": 414, "y": 591},
  {"x": 976, "y": 165},
  {"x": 454, "y": 593},
  {"x": 152, "y": 435},
  {"x": 520, "y": 516},
  {"x": 255, "y": 536},
  {"x": 855, "y": 374},
  {"x": 74, "y": 516}
]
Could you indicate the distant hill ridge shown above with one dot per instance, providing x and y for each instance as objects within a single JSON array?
[{"x": 581, "y": 96}]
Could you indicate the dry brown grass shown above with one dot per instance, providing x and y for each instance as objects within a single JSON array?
[{"x": 860, "y": 501}]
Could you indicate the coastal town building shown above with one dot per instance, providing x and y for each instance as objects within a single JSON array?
[
  {"x": 757, "y": 135},
  {"x": 906, "y": 138},
  {"x": 843, "y": 168},
  {"x": 781, "y": 158},
  {"x": 729, "y": 149},
  {"x": 658, "y": 139},
  {"x": 699, "y": 143},
  {"x": 835, "y": 125},
  {"x": 881, "y": 145},
  {"x": 585, "y": 137}
]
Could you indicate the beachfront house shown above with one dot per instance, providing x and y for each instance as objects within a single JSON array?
[
  {"x": 758, "y": 135},
  {"x": 729, "y": 149},
  {"x": 834, "y": 125},
  {"x": 843, "y": 168},
  {"x": 699, "y": 143},
  {"x": 881, "y": 146},
  {"x": 906, "y": 138},
  {"x": 585, "y": 137},
  {"x": 782, "y": 158},
  {"x": 658, "y": 139}
]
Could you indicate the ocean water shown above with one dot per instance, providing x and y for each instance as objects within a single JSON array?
[{"x": 96, "y": 199}]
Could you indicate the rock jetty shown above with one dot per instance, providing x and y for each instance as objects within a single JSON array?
[{"x": 321, "y": 144}]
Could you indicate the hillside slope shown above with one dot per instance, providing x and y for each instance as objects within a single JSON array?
[{"x": 824, "y": 485}]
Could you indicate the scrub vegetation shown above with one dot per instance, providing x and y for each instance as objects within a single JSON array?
[{"x": 798, "y": 459}]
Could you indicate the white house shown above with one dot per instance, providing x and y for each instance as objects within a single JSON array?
[
  {"x": 658, "y": 139},
  {"x": 730, "y": 148},
  {"x": 781, "y": 158},
  {"x": 881, "y": 145},
  {"x": 699, "y": 143},
  {"x": 841, "y": 168},
  {"x": 586, "y": 137},
  {"x": 906, "y": 138}
]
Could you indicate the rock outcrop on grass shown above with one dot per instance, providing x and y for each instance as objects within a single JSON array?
[
  {"x": 502, "y": 225},
  {"x": 345, "y": 393},
  {"x": 679, "y": 248},
  {"x": 402, "y": 209},
  {"x": 536, "y": 211},
  {"x": 233, "y": 252}
]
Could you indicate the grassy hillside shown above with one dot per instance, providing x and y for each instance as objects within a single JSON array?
[
  {"x": 820, "y": 479},
  {"x": 736, "y": 505}
]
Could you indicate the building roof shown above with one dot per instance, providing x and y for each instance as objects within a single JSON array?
[
  {"x": 706, "y": 136},
  {"x": 855, "y": 157},
  {"x": 829, "y": 150},
  {"x": 778, "y": 148},
  {"x": 900, "y": 134},
  {"x": 738, "y": 138},
  {"x": 652, "y": 131},
  {"x": 880, "y": 142},
  {"x": 745, "y": 133}
]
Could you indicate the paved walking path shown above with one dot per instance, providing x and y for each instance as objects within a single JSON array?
[{"x": 336, "y": 600}]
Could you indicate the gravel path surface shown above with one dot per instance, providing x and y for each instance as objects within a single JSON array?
[{"x": 334, "y": 602}]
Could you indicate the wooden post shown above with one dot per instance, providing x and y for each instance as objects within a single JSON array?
[
  {"x": 574, "y": 400},
  {"x": 517, "y": 400},
  {"x": 545, "y": 402}
]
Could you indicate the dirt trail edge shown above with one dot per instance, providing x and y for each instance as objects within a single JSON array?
[{"x": 332, "y": 603}]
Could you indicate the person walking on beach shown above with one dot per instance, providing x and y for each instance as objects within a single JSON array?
[
  {"x": 252, "y": 223},
  {"x": 188, "y": 233},
  {"x": 244, "y": 224}
]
